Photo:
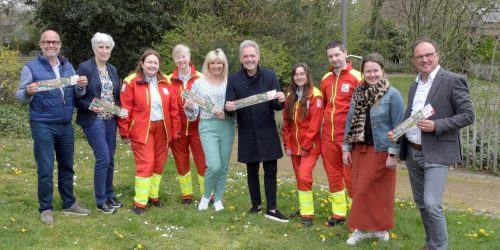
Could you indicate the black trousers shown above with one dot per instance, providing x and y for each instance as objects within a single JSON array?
[{"x": 270, "y": 170}]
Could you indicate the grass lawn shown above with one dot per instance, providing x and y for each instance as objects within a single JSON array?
[{"x": 183, "y": 227}]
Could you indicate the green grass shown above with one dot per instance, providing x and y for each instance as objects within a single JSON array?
[
  {"x": 402, "y": 83},
  {"x": 179, "y": 227}
]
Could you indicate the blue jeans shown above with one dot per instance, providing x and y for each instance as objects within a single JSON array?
[
  {"x": 49, "y": 137},
  {"x": 101, "y": 136},
  {"x": 428, "y": 181}
]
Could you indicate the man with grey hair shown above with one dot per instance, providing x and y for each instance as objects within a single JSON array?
[
  {"x": 433, "y": 144},
  {"x": 50, "y": 120},
  {"x": 258, "y": 139}
]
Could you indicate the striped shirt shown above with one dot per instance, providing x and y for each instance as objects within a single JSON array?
[{"x": 215, "y": 93}]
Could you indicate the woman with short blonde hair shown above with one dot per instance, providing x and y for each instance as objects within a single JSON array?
[{"x": 216, "y": 130}]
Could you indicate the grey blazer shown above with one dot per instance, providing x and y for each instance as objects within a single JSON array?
[{"x": 449, "y": 96}]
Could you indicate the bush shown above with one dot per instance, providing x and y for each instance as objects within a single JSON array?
[
  {"x": 206, "y": 33},
  {"x": 9, "y": 75},
  {"x": 14, "y": 122}
]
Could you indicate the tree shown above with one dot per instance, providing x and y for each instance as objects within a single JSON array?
[
  {"x": 134, "y": 26},
  {"x": 208, "y": 32},
  {"x": 451, "y": 23}
]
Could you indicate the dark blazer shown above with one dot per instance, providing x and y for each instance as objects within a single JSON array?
[
  {"x": 449, "y": 96},
  {"x": 258, "y": 138},
  {"x": 84, "y": 116}
]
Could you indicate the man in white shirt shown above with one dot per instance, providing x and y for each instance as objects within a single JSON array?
[{"x": 433, "y": 144}]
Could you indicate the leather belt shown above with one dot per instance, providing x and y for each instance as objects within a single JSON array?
[{"x": 415, "y": 146}]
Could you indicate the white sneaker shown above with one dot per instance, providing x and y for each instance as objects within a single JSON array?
[
  {"x": 357, "y": 236},
  {"x": 381, "y": 235},
  {"x": 203, "y": 204},
  {"x": 218, "y": 206}
]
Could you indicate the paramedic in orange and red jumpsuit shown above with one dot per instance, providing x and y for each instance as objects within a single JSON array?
[
  {"x": 182, "y": 79},
  {"x": 337, "y": 87},
  {"x": 302, "y": 118},
  {"x": 152, "y": 123}
]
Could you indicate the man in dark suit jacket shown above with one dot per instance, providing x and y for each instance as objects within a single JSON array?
[
  {"x": 258, "y": 139},
  {"x": 431, "y": 146}
]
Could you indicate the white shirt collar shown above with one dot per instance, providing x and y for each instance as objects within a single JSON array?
[{"x": 432, "y": 75}]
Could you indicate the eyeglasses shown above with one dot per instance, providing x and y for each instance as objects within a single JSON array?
[
  {"x": 421, "y": 58},
  {"x": 51, "y": 42}
]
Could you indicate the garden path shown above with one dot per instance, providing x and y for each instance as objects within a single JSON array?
[{"x": 464, "y": 190}]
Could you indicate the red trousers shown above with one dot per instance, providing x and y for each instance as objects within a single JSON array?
[
  {"x": 374, "y": 188},
  {"x": 180, "y": 150},
  {"x": 339, "y": 175},
  {"x": 303, "y": 167},
  {"x": 150, "y": 157}
]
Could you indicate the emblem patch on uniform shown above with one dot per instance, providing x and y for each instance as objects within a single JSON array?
[
  {"x": 318, "y": 103},
  {"x": 165, "y": 91},
  {"x": 345, "y": 87},
  {"x": 123, "y": 87}
]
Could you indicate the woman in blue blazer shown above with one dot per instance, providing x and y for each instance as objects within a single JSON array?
[{"x": 99, "y": 125}]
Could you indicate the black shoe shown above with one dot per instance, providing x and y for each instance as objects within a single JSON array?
[
  {"x": 187, "y": 201},
  {"x": 276, "y": 216},
  {"x": 157, "y": 203},
  {"x": 106, "y": 208},
  {"x": 255, "y": 210},
  {"x": 307, "y": 221},
  {"x": 334, "y": 222},
  {"x": 295, "y": 214},
  {"x": 114, "y": 203},
  {"x": 139, "y": 210}
]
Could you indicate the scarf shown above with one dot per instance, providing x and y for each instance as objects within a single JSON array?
[{"x": 364, "y": 97}]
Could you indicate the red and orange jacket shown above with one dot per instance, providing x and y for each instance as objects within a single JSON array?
[
  {"x": 187, "y": 127},
  {"x": 337, "y": 92},
  {"x": 135, "y": 96},
  {"x": 302, "y": 137}
]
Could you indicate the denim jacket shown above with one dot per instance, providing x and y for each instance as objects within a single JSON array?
[{"x": 385, "y": 115}]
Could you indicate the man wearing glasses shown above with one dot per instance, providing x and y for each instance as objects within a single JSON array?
[
  {"x": 431, "y": 146},
  {"x": 50, "y": 120}
]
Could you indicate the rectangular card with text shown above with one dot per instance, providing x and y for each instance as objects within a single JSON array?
[
  {"x": 255, "y": 99},
  {"x": 111, "y": 108},
  {"x": 57, "y": 83},
  {"x": 406, "y": 125}
]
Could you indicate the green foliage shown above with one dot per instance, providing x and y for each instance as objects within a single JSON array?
[
  {"x": 206, "y": 33},
  {"x": 485, "y": 50},
  {"x": 25, "y": 36},
  {"x": 201, "y": 35},
  {"x": 9, "y": 74},
  {"x": 134, "y": 26},
  {"x": 288, "y": 32},
  {"x": 14, "y": 122}
]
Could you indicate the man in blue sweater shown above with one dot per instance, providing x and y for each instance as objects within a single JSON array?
[{"x": 50, "y": 120}]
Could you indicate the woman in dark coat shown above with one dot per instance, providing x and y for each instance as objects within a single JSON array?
[{"x": 99, "y": 125}]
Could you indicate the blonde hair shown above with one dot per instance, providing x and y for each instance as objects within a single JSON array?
[
  {"x": 179, "y": 49},
  {"x": 216, "y": 55}
]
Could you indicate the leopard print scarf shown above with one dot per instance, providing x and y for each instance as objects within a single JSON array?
[{"x": 364, "y": 97}]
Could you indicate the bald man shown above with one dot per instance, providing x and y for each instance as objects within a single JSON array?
[{"x": 50, "y": 120}]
